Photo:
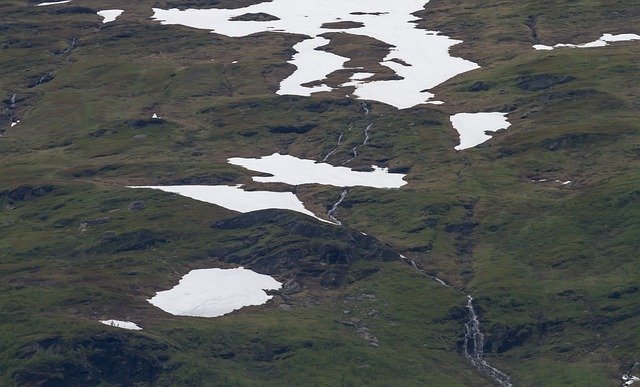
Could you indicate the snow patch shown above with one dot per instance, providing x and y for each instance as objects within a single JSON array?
[
  {"x": 603, "y": 41},
  {"x": 110, "y": 15},
  {"x": 236, "y": 199},
  {"x": 557, "y": 181},
  {"x": 215, "y": 292},
  {"x": 52, "y": 3},
  {"x": 312, "y": 65},
  {"x": 629, "y": 379},
  {"x": 294, "y": 171},
  {"x": 122, "y": 324},
  {"x": 387, "y": 21},
  {"x": 361, "y": 76},
  {"x": 472, "y": 127},
  {"x": 357, "y": 79},
  {"x": 155, "y": 116}
]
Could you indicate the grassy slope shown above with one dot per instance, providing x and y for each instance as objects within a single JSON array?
[
  {"x": 544, "y": 261},
  {"x": 550, "y": 259}
]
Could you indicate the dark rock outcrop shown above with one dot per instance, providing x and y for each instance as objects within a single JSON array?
[
  {"x": 479, "y": 86},
  {"x": 95, "y": 222},
  {"x": 130, "y": 241},
  {"x": 40, "y": 79},
  {"x": 319, "y": 106},
  {"x": 136, "y": 205},
  {"x": 461, "y": 228},
  {"x": 574, "y": 139},
  {"x": 139, "y": 124},
  {"x": 290, "y": 245},
  {"x": 502, "y": 338},
  {"x": 25, "y": 192},
  {"x": 297, "y": 129},
  {"x": 73, "y": 10},
  {"x": 572, "y": 95},
  {"x": 532, "y": 23},
  {"x": 538, "y": 82},
  {"x": 110, "y": 358},
  {"x": 400, "y": 169},
  {"x": 343, "y": 25},
  {"x": 260, "y": 17}
]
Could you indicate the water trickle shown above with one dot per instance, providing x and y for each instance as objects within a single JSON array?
[
  {"x": 367, "y": 136},
  {"x": 334, "y": 149},
  {"x": 474, "y": 347},
  {"x": 366, "y": 109},
  {"x": 332, "y": 212}
]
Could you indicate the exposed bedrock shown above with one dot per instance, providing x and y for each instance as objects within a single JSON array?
[
  {"x": 111, "y": 358},
  {"x": 292, "y": 246}
]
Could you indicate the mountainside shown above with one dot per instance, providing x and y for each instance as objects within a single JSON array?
[{"x": 513, "y": 261}]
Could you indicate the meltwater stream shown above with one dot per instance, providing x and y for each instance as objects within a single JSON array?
[
  {"x": 474, "y": 347},
  {"x": 367, "y": 136},
  {"x": 473, "y": 336},
  {"x": 334, "y": 149},
  {"x": 332, "y": 212}
]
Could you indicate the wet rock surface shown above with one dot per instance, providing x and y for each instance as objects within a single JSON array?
[{"x": 40, "y": 79}]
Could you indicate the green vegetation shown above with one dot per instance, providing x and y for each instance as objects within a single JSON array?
[{"x": 553, "y": 268}]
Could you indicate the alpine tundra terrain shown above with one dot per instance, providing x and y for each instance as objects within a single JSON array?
[{"x": 320, "y": 192}]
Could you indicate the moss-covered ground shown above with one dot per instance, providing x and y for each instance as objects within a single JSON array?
[{"x": 553, "y": 268}]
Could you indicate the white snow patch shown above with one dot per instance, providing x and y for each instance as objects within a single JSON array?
[
  {"x": 629, "y": 379},
  {"x": 426, "y": 53},
  {"x": 110, "y": 15},
  {"x": 236, "y": 199},
  {"x": 312, "y": 65},
  {"x": 557, "y": 181},
  {"x": 294, "y": 171},
  {"x": 155, "y": 116},
  {"x": 122, "y": 324},
  {"x": 15, "y": 123},
  {"x": 215, "y": 292},
  {"x": 52, "y": 3},
  {"x": 361, "y": 76},
  {"x": 603, "y": 41},
  {"x": 472, "y": 127},
  {"x": 357, "y": 79}
]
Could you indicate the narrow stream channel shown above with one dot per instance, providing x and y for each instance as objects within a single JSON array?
[
  {"x": 473, "y": 347},
  {"x": 332, "y": 212}
]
